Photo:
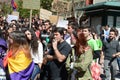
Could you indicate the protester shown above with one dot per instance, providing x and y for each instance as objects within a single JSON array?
[
  {"x": 3, "y": 49},
  {"x": 56, "y": 57},
  {"x": 110, "y": 49},
  {"x": 36, "y": 51},
  {"x": 18, "y": 60},
  {"x": 84, "y": 58},
  {"x": 105, "y": 33},
  {"x": 96, "y": 52},
  {"x": 91, "y": 42},
  {"x": 72, "y": 27}
]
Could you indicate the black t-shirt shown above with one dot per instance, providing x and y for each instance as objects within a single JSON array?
[{"x": 56, "y": 68}]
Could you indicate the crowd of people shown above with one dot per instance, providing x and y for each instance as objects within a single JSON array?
[{"x": 47, "y": 52}]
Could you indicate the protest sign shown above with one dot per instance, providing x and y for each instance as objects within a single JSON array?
[
  {"x": 45, "y": 14},
  {"x": 31, "y": 4},
  {"x": 54, "y": 19},
  {"x": 11, "y": 17},
  {"x": 62, "y": 23}
]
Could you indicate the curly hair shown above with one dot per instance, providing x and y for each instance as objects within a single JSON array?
[{"x": 34, "y": 41}]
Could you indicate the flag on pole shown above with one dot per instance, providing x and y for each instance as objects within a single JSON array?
[{"x": 14, "y": 4}]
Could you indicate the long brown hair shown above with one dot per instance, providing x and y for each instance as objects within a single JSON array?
[
  {"x": 81, "y": 44},
  {"x": 34, "y": 41},
  {"x": 19, "y": 43}
]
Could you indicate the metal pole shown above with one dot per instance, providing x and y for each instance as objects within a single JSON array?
[{"x": 39, "y": 9}]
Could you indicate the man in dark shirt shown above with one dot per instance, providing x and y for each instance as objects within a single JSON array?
[
  {"x": 110, "y": 48},
  {"x": 56, "y": 57}
]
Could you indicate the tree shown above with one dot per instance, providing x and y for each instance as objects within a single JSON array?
[
  {"x": 5, "y": 9},
  {"x": 23, "y": 12},
  {"x": 46, "y": 4}
]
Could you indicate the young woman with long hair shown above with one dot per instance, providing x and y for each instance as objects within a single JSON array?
[
  {"x": 36, "y": 49},
  {"x": 83, "y": 59},
  {"x": 18, "y": 60}
]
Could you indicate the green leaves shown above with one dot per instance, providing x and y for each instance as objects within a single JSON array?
[
  {"x": 6, "y": 9},
  {"x": 46, "y": 4}
]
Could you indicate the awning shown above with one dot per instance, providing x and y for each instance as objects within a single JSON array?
[{"x": 109, "y": 4}]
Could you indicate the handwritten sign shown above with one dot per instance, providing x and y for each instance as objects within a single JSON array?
[{"x": 45, "y": 14}]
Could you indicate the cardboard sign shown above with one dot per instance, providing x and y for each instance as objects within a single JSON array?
[
  {"x": 31, "y": 4},
  {"x": 60, "y": 6},
  {"x": 45, "y": 14},
  {"x": 54, "y": 19}
]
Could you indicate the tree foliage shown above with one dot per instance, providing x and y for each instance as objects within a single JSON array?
[
  {"x": 46, "y": 4},
  {"x": 7, "y": 9},
  {"x": 23, "y": 12}
]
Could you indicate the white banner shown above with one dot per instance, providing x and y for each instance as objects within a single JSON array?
[
  {"x": 11, "y": 17},
  {"x": 62, "y": 23}
]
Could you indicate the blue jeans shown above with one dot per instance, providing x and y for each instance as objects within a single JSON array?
[
  {"x": 35, "y": 71},
  {"x": 73, "y": 74}
]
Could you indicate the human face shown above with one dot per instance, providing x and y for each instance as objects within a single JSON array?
[
  {"x": 10, "y": 30},
  {"x": 69, "y": 29},
  {"x": 13, "y": 22},
  {"x": 86, "y": 32},
  {"x": 10, "y": 39},
  {"x": 106, "y": 27},
  {"x": 28, "y": 34},
  {"x": 43, "y": 27},
  {"x": 58, "y": 37},
  {"x": 40, "y": 28},
  {"x": 14, "y": 28},
  {"x": 112, "y": 35},
  {"x": 47, "y": 25}
]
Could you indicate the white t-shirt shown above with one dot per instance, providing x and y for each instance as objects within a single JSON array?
[{"x": 38, "y": 57}]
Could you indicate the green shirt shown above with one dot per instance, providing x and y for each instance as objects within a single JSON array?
[
  {"x": 93, "y": 44},
  {"x": 99, "y": 43}
]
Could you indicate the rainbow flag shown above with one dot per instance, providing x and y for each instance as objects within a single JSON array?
[
  {"x": 20, "y": 67},
  {"x": 14, "y": 4}
]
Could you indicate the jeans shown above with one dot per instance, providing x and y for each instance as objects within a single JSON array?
[
  {"x": 111, "y": 69},
  {"x": 73, "y": 74},
  {"x": 35, "y": 71},
  {"x": 118, "y": 61},
  {"x": 44, "y": 72}
]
